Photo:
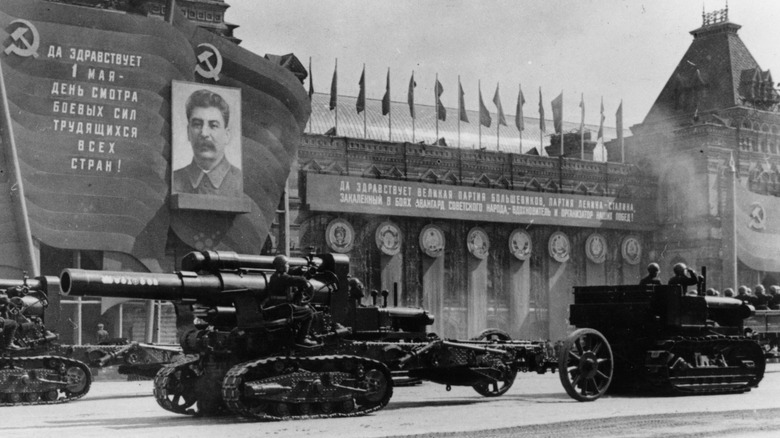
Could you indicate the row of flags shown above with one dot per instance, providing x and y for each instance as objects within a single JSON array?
[{"x": 485, "y": 118}]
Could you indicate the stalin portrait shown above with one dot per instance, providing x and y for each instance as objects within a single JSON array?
[{"x": 208, "y": 163}]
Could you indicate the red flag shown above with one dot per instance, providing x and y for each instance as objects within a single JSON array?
[
  {"x": 600, "y": 135},
  {"x": 541, "y": 112},
  {"x": 484, "y": 114},
  {"x": 461, "y": 104},
  {"x": 519, "y": 120},
  {"x": 557, "y": 109},
  {"x": 441, "y": 112},
  {"x": 311, "y": 80},
  {"x": 361, "y": 100},
  {"x": 386, "y": 98},
  {"x": 619, "y": 122},
  {"x": 499, "y": 108},
  {"x": 334, "y": 88},
  {"x": 410, "y": 95}
]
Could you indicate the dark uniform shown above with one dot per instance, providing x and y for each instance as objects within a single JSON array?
[
  {"x": 286, "y": 290},
  {"x": 8, "y": 325},
  {"x": 652, "y": 276},
  {"x": 684, "y": 277}
]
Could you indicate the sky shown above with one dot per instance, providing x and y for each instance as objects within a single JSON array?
[{"x": 611, "y": 49}]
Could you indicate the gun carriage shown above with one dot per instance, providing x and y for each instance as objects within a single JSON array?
[
  {"x": 658, "y": 339},
  {"x": 33, "y": 368},
  {"x": 239, "y": 359}
]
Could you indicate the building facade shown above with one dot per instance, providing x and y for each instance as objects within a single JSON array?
[{"x": 483, "y": 228}]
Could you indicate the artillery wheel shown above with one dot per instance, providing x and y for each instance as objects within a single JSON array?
[
  {"x": 497, "y": 388},
  {"x": 51, "y": 395},
  {"x": 174, "y": 388},
  {"x": 586, "y": 365},
  {"x": 78, "y": 380}
]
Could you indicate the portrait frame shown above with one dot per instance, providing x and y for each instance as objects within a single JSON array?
[{"x": 182, "y": 154}]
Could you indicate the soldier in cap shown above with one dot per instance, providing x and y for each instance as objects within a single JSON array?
[
  {"x": 683, "y": 276},
  {"x": 652, "y": 275},
  {"x": 8, "y": 324},
  {"x": 286, "y": 288}
]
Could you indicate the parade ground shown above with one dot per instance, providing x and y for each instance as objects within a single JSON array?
[{"x": 536, "y": 406}]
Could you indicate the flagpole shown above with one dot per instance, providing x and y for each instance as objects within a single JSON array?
[
  {"x": 541, "y": 123},
  {"x": 310, "y": 92},
  {"x": 520, "y": 131},
  {"x": 582, "y": 127},
  {"x": 336, "y": 72},
  {"x": 460, "y": 110},
  {"x": 414, "y": 116},
  {"x": 389, "y": 112},
  {"x": 479, "y": 87},
  {"x": 436, "y": 106},
  {"x": 561, "y": 123},
  {"x": 365, "y": 110},
  {"x": 498, "y": 125}
]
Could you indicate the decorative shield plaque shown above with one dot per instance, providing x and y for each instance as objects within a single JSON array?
[
  {"x": 632, "y": 250},
  {"x": 520, "y": 244},
  {"x": 596, "y": 248},
  {"x": 388, "y": 238},
  {"x": 432, "y": 241},
  {"x": 340, "y": 236},
  {"x": 478, "y": 243},
  {"x": 559, "y": 247}
]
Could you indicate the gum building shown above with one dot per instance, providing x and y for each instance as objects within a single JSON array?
[{"x": 477, "y": 227}]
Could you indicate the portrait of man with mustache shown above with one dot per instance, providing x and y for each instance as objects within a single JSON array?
[{"x": 209, "y": 133}]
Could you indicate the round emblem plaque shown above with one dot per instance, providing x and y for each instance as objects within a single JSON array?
[
  {"x": 632, "y": 250},
  {"x": 520, "y": 244},
  {"x": 432, "y": 241},
  {"x": 478, "y": 243},
  {"x": 340, "y": 236},
  {"x": 596, "y": 248},
  {"x": 388, "y": 238},
  {"x": 559, "y": 247}
]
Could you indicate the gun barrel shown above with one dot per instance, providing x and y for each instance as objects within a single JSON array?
[
  {"x": 178, "y": 286},
  {"x": 213, "y": 261},
  {"x": 43, "y": 283}
]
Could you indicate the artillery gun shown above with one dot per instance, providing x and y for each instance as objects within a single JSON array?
[
  {"x": 33, "y": 368},
  {"x": 240, "y": 360},
  {"x": 657, "y": 339},
  {"x": 240, "y": 356}
]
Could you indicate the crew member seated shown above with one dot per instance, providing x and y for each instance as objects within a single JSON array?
[
  {"x": 287, "y": 290},
  {"x": 652, "y": 276},
  {"x": 684, "y": 277},
  {"x": 8, "y": 325}
]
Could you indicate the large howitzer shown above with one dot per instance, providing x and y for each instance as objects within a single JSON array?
[
  {"x": 657, "y": 338},
  {"x": 241, "y": 356},
  {"x": 396, "y": 336},
  {"x": 33, "y": 368},
  {"x": 221, "y": 291}
]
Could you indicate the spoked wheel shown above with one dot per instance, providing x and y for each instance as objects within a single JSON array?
[
  {"x": 79, "y": 379},
  {"x": 175, "y": 389},
  {"x": 501, "y": 386},
  {"x": 586, "y": 365}
]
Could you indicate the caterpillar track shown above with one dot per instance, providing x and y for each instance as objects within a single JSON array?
[
  {"x": 288, "y": 388},
  {"x": 706, "y": 365},
  {"x": 35, "y": 380},
  {"x": 281, "y": 388}
]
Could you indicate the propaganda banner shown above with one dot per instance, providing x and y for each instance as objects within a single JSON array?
[{"x": 89, "y": 92}]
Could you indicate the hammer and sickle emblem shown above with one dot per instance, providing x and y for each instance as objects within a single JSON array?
[
  {"x": 205, "y": 67},
  {"x": 757, "y": 216},
  {"x": 20, "y": 45}
]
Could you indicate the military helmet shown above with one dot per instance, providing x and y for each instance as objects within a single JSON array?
[
  {"x": 280, "y": 263},
  {"x": 653, "y": 267},
  {"x": 679, "y": 269}
]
